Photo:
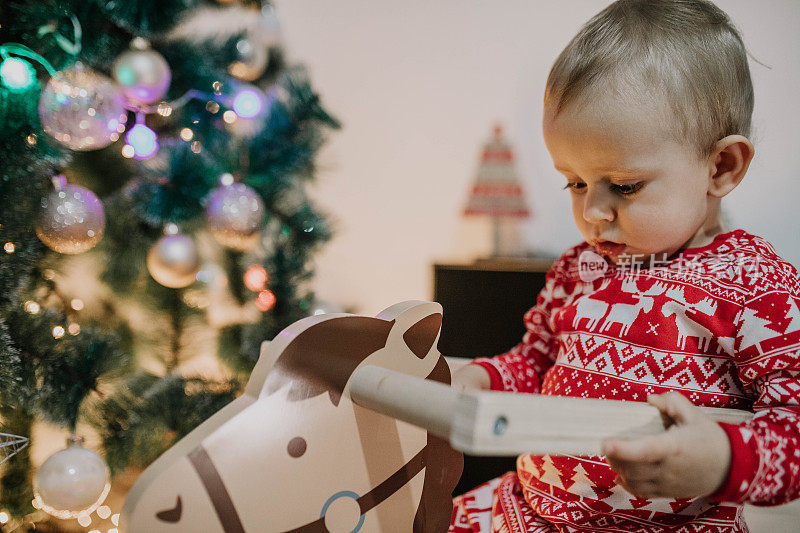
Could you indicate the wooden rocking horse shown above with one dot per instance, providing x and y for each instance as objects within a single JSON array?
[{"x": 344, "y": 427}]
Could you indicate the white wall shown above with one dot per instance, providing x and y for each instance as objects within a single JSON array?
[{"x": 418, "y": 85}]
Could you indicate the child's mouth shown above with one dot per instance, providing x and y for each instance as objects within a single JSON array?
[{"x": 609, "y": 247}]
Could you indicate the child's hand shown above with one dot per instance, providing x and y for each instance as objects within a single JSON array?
[
  {"x": 471, "y": 377},
  {"x": 690, "y": 459}
]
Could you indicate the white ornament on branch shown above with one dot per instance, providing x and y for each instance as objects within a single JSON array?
[{"x": 72, "y": 481}]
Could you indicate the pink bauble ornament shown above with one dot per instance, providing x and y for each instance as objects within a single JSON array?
[
  {"x": 235, "y": 214},
  {"x": 143, "y": 74},
  {"x": 72, "y": 219},
  {"x": 82, "y": 109}
]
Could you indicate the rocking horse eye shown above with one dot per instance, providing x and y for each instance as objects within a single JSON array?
[
  {"x": 171, "y": 515},
  {"x": 296, "y": 447}
]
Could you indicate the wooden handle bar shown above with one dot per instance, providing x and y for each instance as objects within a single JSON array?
[{"x": 503, "y": 423}]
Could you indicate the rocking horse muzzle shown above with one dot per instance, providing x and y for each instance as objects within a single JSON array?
[{"x": 229, "y": 518}]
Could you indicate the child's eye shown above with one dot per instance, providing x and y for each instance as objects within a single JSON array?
[
  {"x": 627, "y": 190},
  {"x": 575, "y": 185}
]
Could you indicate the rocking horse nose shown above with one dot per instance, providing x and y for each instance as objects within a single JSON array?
[
  {"x": 342, "y": 513},
  {"x": 420, "y": 337}
]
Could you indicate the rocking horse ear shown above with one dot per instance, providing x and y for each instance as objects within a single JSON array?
[
  {"x": 420, "y": 337},
  {"x": 419, "y": 323}
]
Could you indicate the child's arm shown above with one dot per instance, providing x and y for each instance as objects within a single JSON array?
[
  {"x": 758, "y": 462},
  {"x": 472, "y": 377},
  {"x": 522, "y": 368}
]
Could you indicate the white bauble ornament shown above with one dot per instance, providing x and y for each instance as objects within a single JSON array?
[
  {"x": 173, "y": 261},
  {"x": 143, "y": 74},
  {"x": 82, "y": 109},
  {"x": 72, "y": 219},
  {"x": 235, "y": 214},
  {"x": 72, "y": 481},
  {"x": 259, "y": 30}
]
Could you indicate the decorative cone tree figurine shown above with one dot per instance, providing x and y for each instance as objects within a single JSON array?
[{"x": 496, "y": 190}]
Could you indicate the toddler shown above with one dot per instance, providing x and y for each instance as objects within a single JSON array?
[{"x": 647, "y": 114}]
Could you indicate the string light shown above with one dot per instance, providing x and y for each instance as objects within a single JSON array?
[
  {"x": 32, "y": 307},
  {"x": 104, "y": 511},
  {"x": 265, "y": 300},
  {"x": 127, "y": 151},
  {"x": 248, "y": 103},
  {"x": 84, "y": 519},
  {"x": 3, "y": 517},
  {"x": 76, "y": 304},
  {"x": 164, "y": 109},
  {"x": 74, "y": 328},
  {"x": 212, "y": 107},
  {"x": 58, "y": 332},
  {"x": 255, "y": 278},
  {"x": 187, "y": 134},
  {"x": 17, "y": 74},
  {"x": 143, "y": 140},
  {"x": 9, "y": 247},
  {"x": 31, "y": 139},
  {"x": 196, "y": 147},
  {"x": 115, "y": 519},
  {"x": 229, "y": 116}
]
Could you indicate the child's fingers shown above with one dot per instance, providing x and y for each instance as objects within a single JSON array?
[
  {"x": 642, "y": 489},
  {"x": 675, "y": 405},
  {"x": 636, "y": 470},
  {"x": 648, "y": 449}
]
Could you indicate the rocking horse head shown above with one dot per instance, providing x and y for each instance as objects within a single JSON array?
[{"x": 295, "y": 454}]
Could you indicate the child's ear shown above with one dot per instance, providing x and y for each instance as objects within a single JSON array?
[{"x": 728, "y": 164}]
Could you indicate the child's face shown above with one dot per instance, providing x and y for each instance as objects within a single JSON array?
[{"x": 630, "y": 184}]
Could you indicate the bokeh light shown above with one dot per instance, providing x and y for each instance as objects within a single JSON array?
[
  {"x": 143, "y": 140},
  {"x": 265, "y": 300},
  {"x": 255, "y": 278},
  {"x": 17, "y": 74},
  {"x": 248, "y": 103}
]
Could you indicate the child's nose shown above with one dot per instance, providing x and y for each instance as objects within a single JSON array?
[{"x": 598, "y": 207}]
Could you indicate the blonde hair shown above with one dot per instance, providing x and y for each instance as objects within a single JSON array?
[{"x": 685, "y": 56}]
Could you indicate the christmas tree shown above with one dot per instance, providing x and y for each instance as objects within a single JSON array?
[{"x": 154, "y": 157}]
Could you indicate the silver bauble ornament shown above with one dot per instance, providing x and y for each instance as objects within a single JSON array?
[
  {"x": 72, "y": 220},
  {"x": 173, "y": 261},
  {"x": 143, "y": 74},
  {"x": 235, "y": 214},
  {"x": 257, "y": 31},
  {"x": 72, "y": 481},
  {"x": 253, "y": 49},
  {"x": 82, "y": 109}
]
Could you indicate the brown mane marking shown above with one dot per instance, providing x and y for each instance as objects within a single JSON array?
[
  {"x": 323, "y": 357},
  {"x": 419, "y": 337}
]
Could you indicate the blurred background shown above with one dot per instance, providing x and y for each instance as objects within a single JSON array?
[{"x": 419, "y": 86}]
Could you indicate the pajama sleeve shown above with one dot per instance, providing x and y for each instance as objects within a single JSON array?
[
  {"x": 522, "y": 368},
  {"x": 765, "y": 460}
]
